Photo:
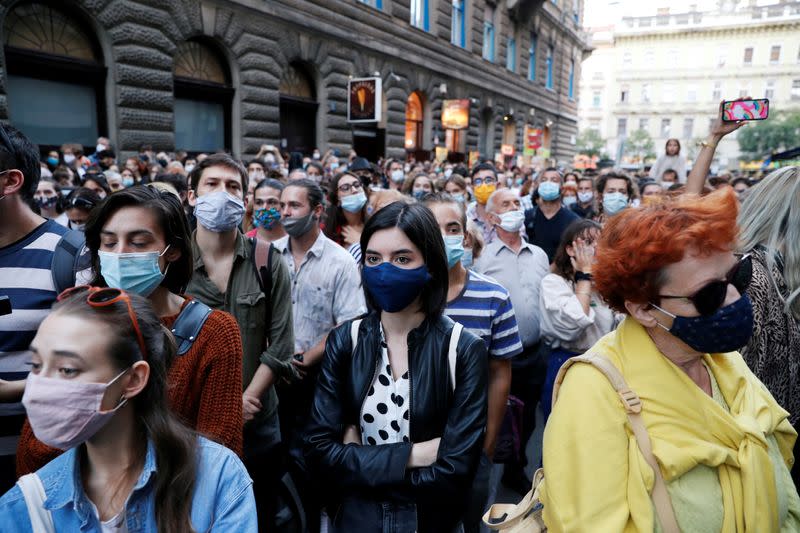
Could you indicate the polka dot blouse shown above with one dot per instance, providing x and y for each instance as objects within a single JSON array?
[{"x": 385, "y": 412}]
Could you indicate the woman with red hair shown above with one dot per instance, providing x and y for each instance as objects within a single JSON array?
[{"x": 722, "y": 444}]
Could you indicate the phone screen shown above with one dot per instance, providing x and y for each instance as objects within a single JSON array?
[{"x": 745, "y": 110}]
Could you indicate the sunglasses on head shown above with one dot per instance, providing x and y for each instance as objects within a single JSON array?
[
  {"x": 711, "y": 296},
  {"x": 103, "y": 297}
]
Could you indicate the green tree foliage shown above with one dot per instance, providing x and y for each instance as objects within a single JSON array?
[
  {"x": 640, "y": 144},
  {"x": 590, "y": 143},
  {"x": 776, "y": 134}
]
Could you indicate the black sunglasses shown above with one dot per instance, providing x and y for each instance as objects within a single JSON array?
[
  {"x": 81, "y": 203},
  {"x": 711, "y": 296}
]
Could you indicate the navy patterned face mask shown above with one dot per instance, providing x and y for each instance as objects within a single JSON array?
[{"x": 727, "y": 329}]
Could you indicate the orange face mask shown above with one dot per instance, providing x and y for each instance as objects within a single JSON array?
[
  {"x": 648, "y": 201},
  {"x": 483, "y": 191}
]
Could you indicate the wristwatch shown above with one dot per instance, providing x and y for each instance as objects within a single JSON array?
[
  {"x": 707, "y": 144},
  {"x": 583, "y": 276}
]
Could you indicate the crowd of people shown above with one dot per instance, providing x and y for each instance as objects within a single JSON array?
[{"x": 190, "y": 342}]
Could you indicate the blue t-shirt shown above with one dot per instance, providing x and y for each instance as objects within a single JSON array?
[
  {"x": 26, "y": 279},
  {"x": 484, "y": 308}
]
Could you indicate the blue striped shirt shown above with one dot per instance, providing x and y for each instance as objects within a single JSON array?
[
  {"x": 25, "y": 277},
  {"x": 484, "y": 308}
]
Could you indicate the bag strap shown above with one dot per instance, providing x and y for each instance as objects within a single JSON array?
[
  {"x": 262, "y": 261},
  {"x": 33, "y": 492},
  {"x": 452, "y": 352},
  {"x": 189, "y": 323},
  {"x": 633, "y": 408},
  {"x": 502, "y": 516},
  {"x": 69, "y": 257}
]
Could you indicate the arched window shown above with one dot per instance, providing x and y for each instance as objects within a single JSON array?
[
  {"x": 414, "y": 122},
  {"x": 203, "y": 96},
  {"x": 298, "y": 110},
  {"x": 56, "y": 77}
]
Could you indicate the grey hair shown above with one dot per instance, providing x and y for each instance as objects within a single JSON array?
[
  {"x": 490, "y": 207},
  {"x": 770, "y": 217}
]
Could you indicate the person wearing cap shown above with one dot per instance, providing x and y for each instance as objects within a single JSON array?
[{"x": 362, "y": 168}]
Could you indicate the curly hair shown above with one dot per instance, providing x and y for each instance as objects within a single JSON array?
[{"x": 637, "y": 244}]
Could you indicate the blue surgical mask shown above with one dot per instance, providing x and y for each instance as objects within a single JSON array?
[
  {"x": 134, "y": 272},
  {"x": 459, "y": 197},
  {"x": 419, "y": 195},
  {"x": 52, "y": 161},
  {"x": 466, "y": 259},
  {"x": 726, "y": 330},
  {"x": 266, "y": 218},
  {"x": 127, "y": 182},
  {"x": 614, "y": 202},
  {"x": 394, "y": 288},
  {"x": 454, "y": 246},
  {"x": 549, "y": 191},
  {"x": 569, "y": 200},
  {"x": 354, "y": 203},
  {"x": 219, "y": 211},
  {"x": 397, "y": 176}
]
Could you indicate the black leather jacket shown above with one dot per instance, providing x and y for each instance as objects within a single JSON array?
[{"x": 363, "y": 483}]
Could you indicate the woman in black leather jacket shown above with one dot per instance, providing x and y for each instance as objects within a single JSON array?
[{"x": 396, "y": 433}]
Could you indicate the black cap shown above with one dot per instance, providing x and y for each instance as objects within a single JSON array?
[{"x": 360, "y": 163}]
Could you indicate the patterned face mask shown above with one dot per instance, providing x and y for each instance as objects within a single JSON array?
[{"x": 266, "y": 218}]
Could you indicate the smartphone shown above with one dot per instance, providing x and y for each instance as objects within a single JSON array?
[{"x": 735, "y": 110}]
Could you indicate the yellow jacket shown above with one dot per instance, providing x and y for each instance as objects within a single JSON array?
[{"x": 596, "y": 478}]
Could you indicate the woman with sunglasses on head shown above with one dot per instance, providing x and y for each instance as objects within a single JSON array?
[
  {"x": 347, "y": 211},
  {"x": 79, "y": 205},
  {"x": 720, "y": 444},
  {"x": 399, "y": 412},
  {"x": 139, "y": 242},
  {"x": 130, "y": 464}
]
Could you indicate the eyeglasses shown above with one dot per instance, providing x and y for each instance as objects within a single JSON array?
[
  {"x": 711, "y": 296},
  {"x": 347, "y": 187},
  {"x": 480, "y": 181},
  {"x": 103, "y": 297}
]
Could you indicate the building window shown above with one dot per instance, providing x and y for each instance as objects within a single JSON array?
[
  {"x": 668, "y": 93},
  {"x": 576, "y": 11},
  {"x": 414, "y": 122},
  {"x": 775, "y": 55},
  {"x": 549, "y": 61},
  {"x": 644, "y": 124},
  {"x": 722, "y": 56},
  {"x": 203, "y": 96},
  {"x": 420, "y": 14},
  {"x": 688, "y": 128},
  {"x": 488, "y": 33},
  {"x": 627, "y": 60},
  {"x": 744, "y": 91},
  {"x": 748, "y": 56},
  {"x": 377, "y": 4},
  {"x": 458, "y": 23},
  {"x": 532, "y": 57},
  {"x": 795, "y": 94},
  {"x": 649, "y": 57},
  {"x": 594, "y": 125},
  {"x": 56, "y": 77},
  {"x": 571, "y": 91},
  {"x": 622, "y": 127},
  {"x": 596, "y": 99},
  {"x": 691, "y": 93},
  {"x": 769, "y": 90},
  {"x": 624, "y": 94},
  {"x": 716, "y": 94},
  {"x": 666, "y": 128},
  {"x": 672, "y": 57},
  {"x": 646, "y": 93},
  {"x": 511, "y": 54},
  {"x": 298, "y": 109}
]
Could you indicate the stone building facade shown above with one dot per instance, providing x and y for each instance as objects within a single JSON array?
[{"x": 237, "y": 74}]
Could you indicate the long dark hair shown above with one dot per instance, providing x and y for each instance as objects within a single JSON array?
[
  {"x": 334, "y": 217},
  {"x": 175, "y": 444},
  {"x": 421, "y": 228},
  {"x": 562, "y": 264},
  {"x": 169, "y": 213}
]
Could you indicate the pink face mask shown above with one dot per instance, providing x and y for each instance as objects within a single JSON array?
[{"x": 65, "y": 413}]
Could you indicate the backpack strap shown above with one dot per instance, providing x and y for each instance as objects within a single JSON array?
[
  {"x": 34, "y": 495},
  {"x": 69, "y": 257},
  {"x": 189, "y": 323},
  {"x": 633, "y": 408},
  {"x": 452, "y": 352},
  {"x": 262, "y": 261}
]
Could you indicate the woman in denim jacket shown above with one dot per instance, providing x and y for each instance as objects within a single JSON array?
[{"x": 97, "y": 389}]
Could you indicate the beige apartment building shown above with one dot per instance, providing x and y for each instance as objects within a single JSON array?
[{"x": 666, "y": 73}]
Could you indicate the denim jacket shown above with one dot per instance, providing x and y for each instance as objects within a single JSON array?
[{"x": 223, "y": 496}]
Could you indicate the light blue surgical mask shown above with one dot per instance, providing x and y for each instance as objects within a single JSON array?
[
  {"x": 614, "y": 202},
  {"x": 219, "y": 211},
  {"x": 459, "y": 197},
  {"x": 549, "y": 191},
  {"x": 132, "y": 272},
  {"x": 127, "y": 182},
  {"x": 354, "y": 203},
  {"x": 466, "y": 259},
  {"x": 454, "y": 246},
  {"x": 569, "y": 200}
]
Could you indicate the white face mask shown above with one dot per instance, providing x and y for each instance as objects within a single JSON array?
[
  {"x": 585, "y": 196},
  {"x": 69, "y": 159},
  {"x": 512, "y": 221},
  {"x": 189, "y": 168},
  {"x": 269, "y": 158},
  {"x": 100, "y": 147}
]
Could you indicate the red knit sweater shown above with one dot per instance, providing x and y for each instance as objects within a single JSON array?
[{"x": 204, "y": 390}]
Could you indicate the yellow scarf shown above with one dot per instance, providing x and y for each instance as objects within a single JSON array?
[{"x": 688, "y": 428}]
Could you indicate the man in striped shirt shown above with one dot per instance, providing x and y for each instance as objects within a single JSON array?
[
  {"x": 27, "y": 242},
  {"x": 483, "y": 307}
]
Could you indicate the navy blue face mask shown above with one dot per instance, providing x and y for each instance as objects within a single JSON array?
[
  {"x": 394, "y": 288},
  {"x": 726, "y": 330}
]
